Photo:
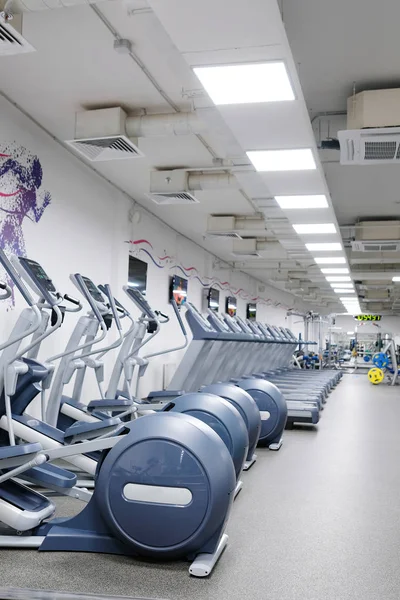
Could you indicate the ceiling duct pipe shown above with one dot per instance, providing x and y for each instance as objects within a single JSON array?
[
  {"x": 212, "y": 181},
  {"x": 14, "y": 7},
  {"x": 164, "y": 125}
]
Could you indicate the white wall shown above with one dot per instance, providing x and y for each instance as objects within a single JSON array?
[{"x": 86, "y": 228}]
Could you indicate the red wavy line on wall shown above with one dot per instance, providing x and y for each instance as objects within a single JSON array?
[
  {"x": 3, "y": 195},
  {"x": 136, "y": 242}
]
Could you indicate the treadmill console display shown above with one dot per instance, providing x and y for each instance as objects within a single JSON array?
[
  {"x": 93, "y": 290},
  {"x": 199, "y": 317}
]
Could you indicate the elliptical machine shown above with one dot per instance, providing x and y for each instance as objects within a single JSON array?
[{"x": 159, "y": 470}]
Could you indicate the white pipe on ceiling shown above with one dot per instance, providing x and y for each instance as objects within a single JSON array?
[
  {"x": 23, "y": 6},
  {"x": 212, "y": 181},
  {"x": 187, "y": 123}
]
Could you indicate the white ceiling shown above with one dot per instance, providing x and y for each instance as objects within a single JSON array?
[
  {"x": 75, "y": 68},
  {"x": 340, "y": 47}
]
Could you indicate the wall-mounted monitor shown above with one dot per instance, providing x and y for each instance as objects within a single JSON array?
[
  {"x": 251, "y": 312},
  {"x": 178, "y": 290},
  {"x": 231, "y": 306},
  {"x": 213, "y": 299},
  {"x": 137, "y": 274}
]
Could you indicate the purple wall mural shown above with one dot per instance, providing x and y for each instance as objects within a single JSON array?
[{"x": 21, "y": 195}]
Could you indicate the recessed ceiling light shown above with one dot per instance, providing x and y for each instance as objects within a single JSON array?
[
  {"x": 336, "y": 284},
  {"x": 301, "y": 202},
  {"x": 343, "y": 291},
  {"x": 283, "y": 160},
  {"x": 330, "y": 260},
  {"x": 350, "y": 333},
  {"x": 314, "y": 228},
  {"x": 343, "y": 271},
  {"x": 338, "y": 279},
  {"x": 328, "y": 247},
  {"x": 246, "y": 83},
  {"x": 396, "y": 279}
]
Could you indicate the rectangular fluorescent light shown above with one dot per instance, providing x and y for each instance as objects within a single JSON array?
[
  {"x": 344, "y": 286},
  {"x": 335, "y": 271},
  {"x": 301, "y": 202},
  {"x": 338, "y": 279},
  {"x": 314, "y": 228},
  {"x": 324, "y": 247},
  {"x": 330, "y": 260},
  {"x": 283, "y": 160},
  {"x": 396, "y": 279},
  {"x": 343, "y": 291},
  {"x": 350, "y": 333},
  {"x": 246, "y": 83}
]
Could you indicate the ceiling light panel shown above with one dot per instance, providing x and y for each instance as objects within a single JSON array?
[
  {"x": 283, "y": 160},
  {"x": 343, "y": 291},
  {"x": 301, "y": 202},
  {"x": 347, "y": 286},
  {"x": 314, "y": 228},
  {"x": 338, "y": 279},
  {"x": 333, "y": 271},
  {"x": 396, "y": 279},
  {"x": 324, "y": 247},
  {"x": 246, "y": 83},
  {"x": 330, "y": 260}
]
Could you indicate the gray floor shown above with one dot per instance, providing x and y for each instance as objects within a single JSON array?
[{"x": 319, "y": 520}]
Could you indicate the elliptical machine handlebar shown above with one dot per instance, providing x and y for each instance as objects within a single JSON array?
[{"x": 6, "y": 289}]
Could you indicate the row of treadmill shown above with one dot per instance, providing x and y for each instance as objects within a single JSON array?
[{"x": 152, "y": 477}]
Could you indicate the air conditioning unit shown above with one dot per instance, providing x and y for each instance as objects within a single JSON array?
[
  {"x": 171, "y": 187},
  {"x": 100, "y": 136},
  {"x": 376, "y": 246},
  {"x": 11, "y": 39},
  {"x": 245, "y": 249},
  {"x": 374, "y": 108},
  {"x": 222, "y": 227},
  {"x": 370, "y": 146}
]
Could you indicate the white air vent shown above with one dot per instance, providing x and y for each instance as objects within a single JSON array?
[
  {"x": 376, "y": 246},
  {"x": 224, "y": 234},
  {"x": 243, "y": 255},
  {"x": 370, "y": 146},
  {"x": 11, "y": 40},
  {"x": 117, "y": 147},
  {"x": 173, "y": 198}
]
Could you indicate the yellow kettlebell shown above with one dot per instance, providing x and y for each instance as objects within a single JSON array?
[{"x": 376, "y": 376}]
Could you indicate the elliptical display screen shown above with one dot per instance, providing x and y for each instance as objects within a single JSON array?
[
  {"x": 213, "y": 299},
  {"x": 178, "y": 290},
  {"x": 38, "y": 273},
  {"x": 231, "y": 306},
  {"x": 93, "y": 290},
  {"x": 251, "y": 312}
]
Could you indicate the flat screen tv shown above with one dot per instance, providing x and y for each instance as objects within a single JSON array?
[
  {"x": 137, "y": 274},
  {"x": 251, "y": 312},
  {"x": 213, "y": 299},
  {"x": 231, "y": 306},
  {"x": 178, "y": 290}
]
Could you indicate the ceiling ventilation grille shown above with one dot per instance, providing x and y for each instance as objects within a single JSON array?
[
  {"x": 222, "y": 234},
  {"x": 370, "y": 146},
  {"x": 11, "y": 40},
  {"x": 379, "y": 246},
  {"x": 173, "y": 198},
  {"x": 243, "y": 255},
  {"x": 106, "y": 148}
]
